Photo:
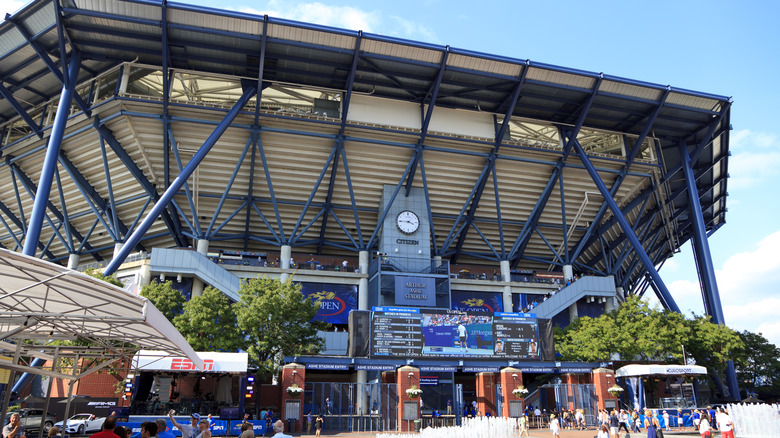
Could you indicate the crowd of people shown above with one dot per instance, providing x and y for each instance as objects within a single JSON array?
[{"x": 655, "y": 423}]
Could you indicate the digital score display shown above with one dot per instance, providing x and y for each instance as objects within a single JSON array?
[{"x": 426, "y": 333}]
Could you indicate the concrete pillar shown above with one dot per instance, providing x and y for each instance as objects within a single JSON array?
[
  {"x": 610, "y": 305},
  {"x": 507, "y": 292},
  {"x": 363, "y": 285},
  {"x": 197, "y": 287},
  {"x": 510, "y": 378},
  {"x": 573, "y": 314},
  {"x": 407, "y": 376},
  {"x": 117, "y": 248},
  {"x": 284, "y": 261},
  {"x": 437, "y": 260},
  {"x": 603, "y": 378},
  {"x": 203, "y": 246},
  {"x": 146, "y": 275},
  {"x": 568, "y": 272},
  {"x": 486, "y": 393},
  {"x": 73, "y": 261},
  {"x": 620, "y": 294},
  {"x": 293, "y": 374}
]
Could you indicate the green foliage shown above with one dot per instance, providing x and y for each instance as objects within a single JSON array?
[
  {"x": 276, "y": 322},
  {"x": 165, "y": 298},
  {"x": 758, "y": 364},
  {"x": 637, "y": 332},
  {"x": 99, "y": 275},
  {"x": 209, "y": 323}
]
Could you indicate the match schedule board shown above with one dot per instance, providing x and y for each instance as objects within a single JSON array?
[{"x": 429, "y": 333}]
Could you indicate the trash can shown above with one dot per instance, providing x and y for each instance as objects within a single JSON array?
[
  {"x": 417, "y": 425},
  {"x": 291, "y": 425}
]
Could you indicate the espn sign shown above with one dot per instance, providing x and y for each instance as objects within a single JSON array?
[
  {"x": 213, "y": 362},
  {"x": 184, "y": 364}
]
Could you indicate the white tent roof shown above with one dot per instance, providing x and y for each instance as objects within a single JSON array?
[
  {"x": 42, "y": 301},
  {"x": 650, "y": 370}
]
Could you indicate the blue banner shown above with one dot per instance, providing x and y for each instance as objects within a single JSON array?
[
  {"x": 415, "y": 291},
  {"x": 336, "y": 300},
  {"x": 136, "y": 428},
  {"x": 477, "y": 301},
  {"x": 258, "y": 426},
  {"x": 219, "y": 427}
]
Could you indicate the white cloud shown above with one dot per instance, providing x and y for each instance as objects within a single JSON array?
[
  {"x": 10, "y": 6},
  {"x": 747, "y": 283},
  {"x": 755, "y": 160}
]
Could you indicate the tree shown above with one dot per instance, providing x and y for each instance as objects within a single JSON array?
[
  {"x": 276, "y": 321},
  {"x": 634, "y": 331},
  {"x": 758, "y": 364},
  {"x": 209, "y": 323},
  {"x": 92, "y": 272},
  {"x": 712, "y": 346},
  {"x": 165, "y": 298}
]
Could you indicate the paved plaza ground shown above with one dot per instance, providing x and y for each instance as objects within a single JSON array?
[{"x": 533, "y": 433}]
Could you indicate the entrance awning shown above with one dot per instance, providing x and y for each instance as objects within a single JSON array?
[
  {"x": 43, "y": 302},
  {"x": 651, "y": 370}
]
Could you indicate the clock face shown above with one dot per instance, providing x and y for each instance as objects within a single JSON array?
[{"x": 407, "y": 222}]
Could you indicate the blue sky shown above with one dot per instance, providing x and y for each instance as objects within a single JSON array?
[{"x": 722, "y": 47}]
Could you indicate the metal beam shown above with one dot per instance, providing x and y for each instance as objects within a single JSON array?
[
  {"x": 516, "y": 253},
  {"x": 663, "y": 293},
  {"x": 107, "y": 135},
  {"x": 250, "y": 90},
  {"x": 50, "y": 160},
  {"x": 9, "y": 96}
]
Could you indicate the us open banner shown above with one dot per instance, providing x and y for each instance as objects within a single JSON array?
[
  {"x": 477, "y": 301},
  {"x": 336, "y": 300}
]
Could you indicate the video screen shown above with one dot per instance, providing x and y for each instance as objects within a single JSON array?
[{"x": 410, "y": 332}]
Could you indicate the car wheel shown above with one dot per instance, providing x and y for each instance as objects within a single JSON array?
[
  {"x": 81, "y": 430},
  {"x": 47, "y": 425}
]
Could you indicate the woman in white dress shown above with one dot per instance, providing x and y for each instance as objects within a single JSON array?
[{"x": 555, "y": 427}]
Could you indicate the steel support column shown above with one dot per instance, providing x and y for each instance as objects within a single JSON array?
[
  {"x": 663, "y": 293},
  {"x": 250, "y": 90},
  {"x": 706, "y": 269},
  {"x": 50, "y": 161}
]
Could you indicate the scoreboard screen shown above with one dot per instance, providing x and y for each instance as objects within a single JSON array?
[{"x": 425, "y": 333}]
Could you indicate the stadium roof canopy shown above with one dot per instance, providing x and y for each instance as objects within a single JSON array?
[{"x": 547, "y": 106}]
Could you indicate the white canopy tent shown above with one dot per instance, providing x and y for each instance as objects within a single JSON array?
[
  {"x": 42, "y": 302},
  {"x": 636, "y": 370}
]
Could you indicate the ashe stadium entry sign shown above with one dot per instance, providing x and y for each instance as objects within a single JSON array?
[{"x": 431, "y": 333}]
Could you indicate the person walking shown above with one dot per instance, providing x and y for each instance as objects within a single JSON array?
[
  {"x": 725, "y": 424},
  {"x": 524, "y": 425},
  {"x": 555, "y": 427},
  {"x": 704, "y": 425},
  {"x": 318, "y": 425},
  {"x": 652, "y": 424}
]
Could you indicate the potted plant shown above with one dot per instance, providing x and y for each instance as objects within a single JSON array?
[
  {"x": 520, "y": 392},
  {"x": 615, "y": 390},
  {"x": 294, "y": 390},
  {"x": 413, "y": 392}
]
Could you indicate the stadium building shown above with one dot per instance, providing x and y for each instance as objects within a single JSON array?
[{"x": 391, "y": 178}]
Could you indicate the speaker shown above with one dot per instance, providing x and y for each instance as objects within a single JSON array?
[{"x": 359, "y": 333}]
